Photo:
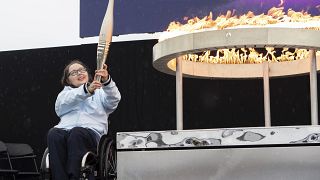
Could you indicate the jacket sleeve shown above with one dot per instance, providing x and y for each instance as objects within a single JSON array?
[
  {"x": 111, "y": 96},
  {"x": 68, "y": 98}
]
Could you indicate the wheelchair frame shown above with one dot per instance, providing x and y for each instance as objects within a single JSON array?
[{"x": 102, "y": 164}]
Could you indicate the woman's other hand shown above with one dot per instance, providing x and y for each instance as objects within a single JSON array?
[{"x": 93, "y": 86}]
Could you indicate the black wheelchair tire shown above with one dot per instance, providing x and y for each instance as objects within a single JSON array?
[
  {"x": 44, "y": 172},
  {"x": 108, "y": 160}
]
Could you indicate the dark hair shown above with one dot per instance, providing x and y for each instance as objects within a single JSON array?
[{"x": 65, "y": 75}]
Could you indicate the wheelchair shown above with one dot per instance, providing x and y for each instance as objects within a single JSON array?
[{"x": 102, "y": 163}]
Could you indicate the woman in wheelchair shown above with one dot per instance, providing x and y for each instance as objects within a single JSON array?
[{"x": 83, "y": 107}]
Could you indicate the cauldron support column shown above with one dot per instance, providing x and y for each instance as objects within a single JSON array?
[
  {"x": 313, "y": 87},
  {"x": 179, "y": 93},
  {"x": 266, "y": 94}
]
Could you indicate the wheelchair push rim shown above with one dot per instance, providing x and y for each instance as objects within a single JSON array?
[{"x": 108, "y": 161}]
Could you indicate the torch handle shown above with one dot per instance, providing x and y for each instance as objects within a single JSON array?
[{"x": 98, "y": 78}]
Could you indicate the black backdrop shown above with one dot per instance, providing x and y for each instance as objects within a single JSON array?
[{"x": 30, "y": 83}]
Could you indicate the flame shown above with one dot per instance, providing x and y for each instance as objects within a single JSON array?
[
  {"x": 281, "y": 3},
  {"x": 248, "y": 56},
  {"x": 275, "y": 17}
]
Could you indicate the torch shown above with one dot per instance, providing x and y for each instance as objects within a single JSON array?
[{"x": 105, "y": 37}]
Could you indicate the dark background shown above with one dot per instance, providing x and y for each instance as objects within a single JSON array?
[{"x": 30, "y": 83}]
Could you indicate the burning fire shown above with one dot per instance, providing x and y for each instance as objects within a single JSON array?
[
  {"x": 275, "y": 17},
  {"x": 248, "y": 56}
]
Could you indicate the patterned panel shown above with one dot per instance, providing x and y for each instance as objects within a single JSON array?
[{"x": 219, "y": 137}]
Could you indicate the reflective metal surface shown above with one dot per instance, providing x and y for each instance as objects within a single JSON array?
[
  {"x": 227, "y": 137},
  {"x": 268, "y": 163}
]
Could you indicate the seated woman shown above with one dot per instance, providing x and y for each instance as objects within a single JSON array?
[{"x": 83, "y": 108}]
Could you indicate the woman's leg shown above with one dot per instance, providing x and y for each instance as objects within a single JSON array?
[
  {"x": 80, "y": 141},
  {"x": 57, "y": 139}
]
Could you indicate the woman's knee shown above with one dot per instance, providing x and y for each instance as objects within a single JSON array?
[
  {"x": 55, "y": 134},
  {"x": 79, "y": 135},
  {"x": 78, "y": 131}
]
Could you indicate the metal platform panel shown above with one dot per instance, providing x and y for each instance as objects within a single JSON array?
[
  {"x": 289, "y": 135},
  {"x": 268, "y": 163}
]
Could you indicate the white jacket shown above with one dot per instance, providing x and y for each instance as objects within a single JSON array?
[{"x": 77, "y": 108}]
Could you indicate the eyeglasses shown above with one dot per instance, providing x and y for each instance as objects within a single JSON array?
[{"x": 78, "y": 71}]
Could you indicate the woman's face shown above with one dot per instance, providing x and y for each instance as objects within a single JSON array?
[{"x": 78, "y": 75}]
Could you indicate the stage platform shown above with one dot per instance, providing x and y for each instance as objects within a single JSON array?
[{"x": 233, "y": 153}]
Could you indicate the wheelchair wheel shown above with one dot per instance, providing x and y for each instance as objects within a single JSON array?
[
  {"x": 108, "y": 160},
  {"x": 44, "y": 167}
]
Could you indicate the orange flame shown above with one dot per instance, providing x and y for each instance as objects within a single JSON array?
[
  {"x": 281, "y": 3},
  {"x": 248, "y": 56},
  {"x": 275, "y": 16}
]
